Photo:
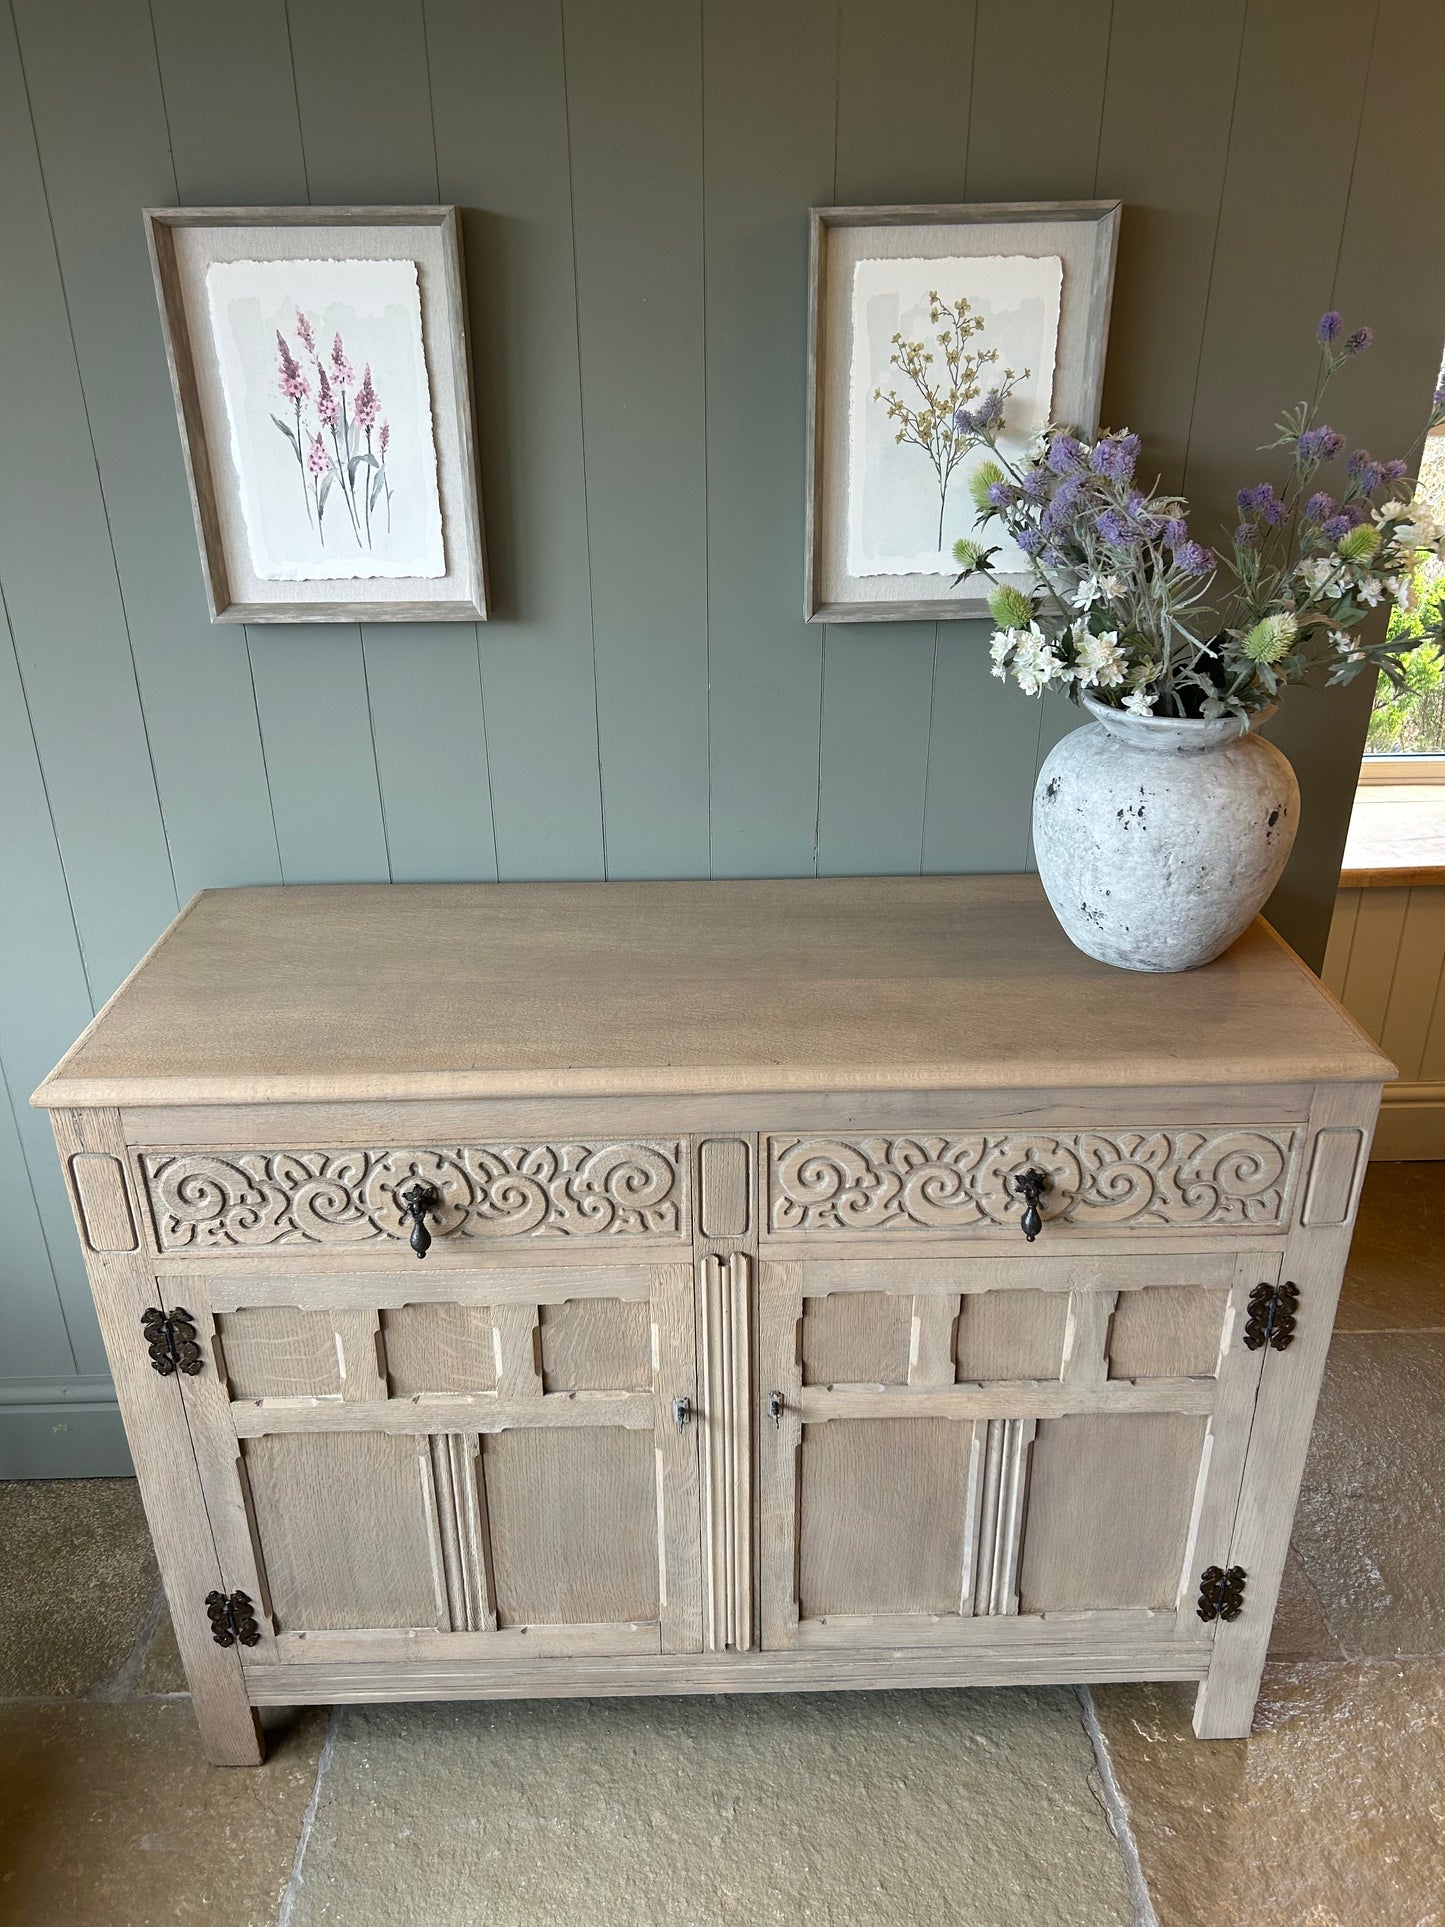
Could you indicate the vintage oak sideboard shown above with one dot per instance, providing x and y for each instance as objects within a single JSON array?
[{"x": 692, "y": 1287}]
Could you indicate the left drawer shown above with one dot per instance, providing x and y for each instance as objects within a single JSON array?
[{"x": 299, "y": 1197}]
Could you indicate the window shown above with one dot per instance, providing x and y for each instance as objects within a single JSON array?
[{"x": 1407, "y": 727}]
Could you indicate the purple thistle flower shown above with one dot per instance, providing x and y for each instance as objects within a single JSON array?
[
  {"x": 341, "y": 372},
  {"x": 1329, "y": 328},
  {"x": 1336, "y": 526},
  {"x": 1319, "y": 507},
  {"x": 1038, "y": 485},
  {"x": 1054, "y": 557},
  {"x": 1114, "y": 529},
  {"x": 1359, "y": 341},
  {"x": 292, "y": 383},
  {"x": 1057, "y": 518},
  {"x": 1001, "y": 494},
  {"x": 1246, "y": 535},
  {"x": 1065, "y": 456},
  {"x": 1192, "y": 558},
  {"x": 303, "y": 329},
  {"x": 1030, "y": 540},
  {"x": 367, "y": 408},
  {"x": 317, "y": 460},
  {"x": 1114, "y": 457}
]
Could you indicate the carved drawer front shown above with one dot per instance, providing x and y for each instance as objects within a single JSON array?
[
  {"x": 1155, "y": 1179},
  {"x": 300, "y": 1198},
  {"x": 953, "y": 1446}
]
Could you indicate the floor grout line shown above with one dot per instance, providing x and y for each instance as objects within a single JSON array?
[
  {"x": 1117, "y": 1814},
  {"x": 292, "y": 1890}
]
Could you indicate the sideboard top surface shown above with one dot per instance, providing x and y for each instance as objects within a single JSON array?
[{"x": 343, "y": 991}]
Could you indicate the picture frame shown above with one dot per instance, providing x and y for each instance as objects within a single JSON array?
[
  {"x": 886, "y": 490},
  {"x": 321, "y": 493}
]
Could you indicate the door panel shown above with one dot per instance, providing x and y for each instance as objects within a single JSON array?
[
  {"x": 501, "y": 1464},
  {"x": 1049, "y": 1440}
]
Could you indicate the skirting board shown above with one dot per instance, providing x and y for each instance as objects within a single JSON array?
[
  {"x": 67, "y": 1430},
  {"x": 1412, "y": 1123}
]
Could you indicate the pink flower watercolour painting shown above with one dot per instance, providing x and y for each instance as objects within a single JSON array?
[{"x": 322, "y": 367}]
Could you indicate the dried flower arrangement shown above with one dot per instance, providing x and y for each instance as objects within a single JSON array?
[{"x": 1119, "y": 604}]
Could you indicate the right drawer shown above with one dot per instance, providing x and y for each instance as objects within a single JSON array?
[{"x": 1165, "y": 1178}]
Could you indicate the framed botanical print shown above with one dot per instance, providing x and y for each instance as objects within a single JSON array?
[
  {"x": 916, "y": 314},
  {"x": 318, "y": 358}
]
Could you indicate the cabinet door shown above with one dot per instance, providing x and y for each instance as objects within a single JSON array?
[
  {"x": 487, "y": 1462},
  {"x": 996, "y": 1448}
]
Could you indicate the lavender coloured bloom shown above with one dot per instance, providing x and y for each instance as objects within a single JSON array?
[
  {"x": 1114, "y": 457},
  {"x": 1396, "y": 471},
  {"x": 1329, "y": 328},
  {"x": 1038, "y": 485},
  {"x": 1065, "y": 456},
  {"x": 1310, "y": 447},
  {"x": 1437, "y": 400},
  {"x": 1359, "y": 341},
  {"x": 1001, "y": 494},
  {"x": 1054, "y": 557},
  {"x": 1336, "y": 526},
  {"x": 1114, "y": 529},
  {"x": 1030, "y": 540},
  {"x": 1176, "y": 532},
  {"x": 1319, "y": 507},
  {"x": 1334, "y": 441},
  {"x": 966, "y": 421},
  {"x": 1058, "y": 517},
  {"x": 1246, "y": 535},
  {"x": 1192, "y": 558}
]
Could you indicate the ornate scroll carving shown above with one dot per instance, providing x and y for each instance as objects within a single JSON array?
[
  {"x": 1236, "y": 1175},
  {"x": 251, "y": 1200}
]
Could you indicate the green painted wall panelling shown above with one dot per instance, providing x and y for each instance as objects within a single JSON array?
[{"x": 635, "y": 176}]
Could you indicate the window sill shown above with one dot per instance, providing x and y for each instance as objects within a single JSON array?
[{"x": 1397, "y": 836}]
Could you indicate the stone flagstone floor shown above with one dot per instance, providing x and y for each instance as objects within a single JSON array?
[{"x": 990, "y": 1809}]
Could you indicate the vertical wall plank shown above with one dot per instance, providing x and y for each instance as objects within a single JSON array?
[
  {"x": 1296, "y": 114},
  {"x": 97, "y": 68},
  {"x": 768, "y": 120},
  {"x": 61, "y": 591},
  {"x": 1419, "y": 974},
  {"x": 1162, "y": 152},
  {"x": 44, "y": 1005},
  {"x": 878, "y": 678},
  {"x": 363, "y": 71},
  {"x": 230, "y": 104},
  {"x": 33, "y": 1339},
  {"x": 1374, "y": 954},
  {"x": 987, "y": 741},
  {"x": 1037, "y": 100},
  {"x": 634, "y": 112},
  {"x": 498, "y": 95}
]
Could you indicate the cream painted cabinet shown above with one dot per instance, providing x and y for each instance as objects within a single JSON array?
[{"x": 709, "y": 1288}]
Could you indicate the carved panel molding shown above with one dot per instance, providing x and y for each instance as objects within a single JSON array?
[
  {"x": 1236, "y": 1175},
  {"x": 252, "y": 1200}
]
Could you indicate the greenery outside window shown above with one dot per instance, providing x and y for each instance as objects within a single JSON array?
[{"x": 1406, "y": 742}]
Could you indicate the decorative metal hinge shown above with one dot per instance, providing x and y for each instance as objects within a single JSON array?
[
  {"x": 1271, "y": 1317},
  {"x": 233, "y": 1619},
  {"x": 1221, "y": 1592},
  {"x": 171, "y": 1342}
]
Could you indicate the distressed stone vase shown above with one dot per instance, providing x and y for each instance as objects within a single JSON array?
[{"x": 1158, "y": 840}]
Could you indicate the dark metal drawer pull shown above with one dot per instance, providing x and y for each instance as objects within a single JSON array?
[
  {"x": 1031, "y": 1186},
  {"x": 415, "y": 1202}
]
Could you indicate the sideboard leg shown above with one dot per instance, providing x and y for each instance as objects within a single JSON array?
[
  {"x": 125, "y": 1287},
  {"x": 1333, "y": 1169}
]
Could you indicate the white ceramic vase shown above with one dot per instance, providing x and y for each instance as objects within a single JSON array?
[{"x": 1159, "y": 840}]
